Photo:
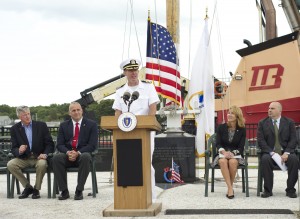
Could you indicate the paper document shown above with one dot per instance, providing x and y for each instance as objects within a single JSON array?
[
  {"x": 237, "y": 156},
  {"x": 276, "y": 157}
]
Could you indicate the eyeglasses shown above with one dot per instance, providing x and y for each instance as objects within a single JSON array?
[{"x": 25, "y": 115}]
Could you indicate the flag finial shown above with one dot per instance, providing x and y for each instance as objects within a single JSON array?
[{"x": 206, "y": 13}]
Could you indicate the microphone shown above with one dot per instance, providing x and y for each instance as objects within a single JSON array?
[
  {"x": 134, "y": 96},
  {"x": 126, "y": 97}
]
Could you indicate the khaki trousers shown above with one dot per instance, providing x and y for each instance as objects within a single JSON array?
[{"x": 16, "y": 165}]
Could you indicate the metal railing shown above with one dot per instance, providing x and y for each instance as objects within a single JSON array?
[{"x": 105, "y": 137}]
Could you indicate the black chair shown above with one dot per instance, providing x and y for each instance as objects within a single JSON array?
[
  {"x": 75, "y": 169},
  {"x": 11, "y": 180},
  {"x": 259, "y": 154},
  {"x": 210, "y": 153},
  {"x": 5, "y": 146}
]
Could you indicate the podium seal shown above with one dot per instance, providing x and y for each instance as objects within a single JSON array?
[{"x": 127, "y": 122}]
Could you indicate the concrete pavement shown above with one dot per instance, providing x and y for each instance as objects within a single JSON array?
[{"x": 186, "y": 196}]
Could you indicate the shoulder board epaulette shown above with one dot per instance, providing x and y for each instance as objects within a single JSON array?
[
  {"x": 148, "y": 82},
  {"x": 120, "y": 87}
]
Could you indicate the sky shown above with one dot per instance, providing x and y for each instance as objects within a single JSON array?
[{"x": 50, "y": 51}]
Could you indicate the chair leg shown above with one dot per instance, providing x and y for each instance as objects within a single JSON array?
[
  {"x": 206, "y": 180},
  {"x": 212, "y": 180},
  {"x": 49, "y": 183},
  {"x": 94, "y": 183},
  {"x": 243, "y": 180},
  {"x": 247, "y": 181},
  {"x": 259, "y": 181},
  {"x": 8, "y": 183},
  {"x": 18, "y": 187},
  {"x": 54, "y": 187},
  {"x": 28, "y": 177},
  {"x": 12, "y": 186}
]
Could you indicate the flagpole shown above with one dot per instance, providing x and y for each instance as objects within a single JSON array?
[{"x": 172, "y": 171}]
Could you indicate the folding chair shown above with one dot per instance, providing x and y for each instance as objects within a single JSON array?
[
  {"x": 75, "y": 169},
  {"x": 210, "y": 154}
]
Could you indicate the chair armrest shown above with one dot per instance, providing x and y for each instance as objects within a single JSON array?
[
  {"x": 207, "y": 153},
  {"x": 258, "y": 151},
  {"x": 10, "y": 155}
]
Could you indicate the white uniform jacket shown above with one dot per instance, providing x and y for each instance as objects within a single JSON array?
[{"x": 147, "y": 96}]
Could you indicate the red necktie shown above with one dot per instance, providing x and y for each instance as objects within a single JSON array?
[{"x": 75, "y": 138}]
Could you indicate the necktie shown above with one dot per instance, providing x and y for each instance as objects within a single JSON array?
[
  {"x": 75, "y": 138},
  {"x": 277, "y": 147}
]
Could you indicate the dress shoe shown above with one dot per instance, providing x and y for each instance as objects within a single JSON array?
[
  {"x": 35, "y": 194},
  {"x": 78, "y": 195},
  {"x": 230, "y": 196},
  {"x": 27, "y": 191},
  {"x": 266, "y": 195},
  {"x": 64, "y": 195},
  {"x": 291, "y": 194}
]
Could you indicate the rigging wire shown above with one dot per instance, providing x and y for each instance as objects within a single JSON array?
[
  {"x": 124, "y": 36},
  {"x": 130, "y": 26},
  {"x": 221, "y": 60},
  {"x": 190, "y": 38},
  {"x": 137, "y": 38}
]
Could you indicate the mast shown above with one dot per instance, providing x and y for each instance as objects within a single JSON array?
[{"x": 173, "y": 19}]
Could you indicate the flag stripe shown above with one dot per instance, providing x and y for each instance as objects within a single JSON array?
[{"x": 161, "y": 65}]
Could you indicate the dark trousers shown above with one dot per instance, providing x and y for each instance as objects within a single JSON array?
[
  {"x": 268, "y": 165},
  {"x": 59, "y": 164}
]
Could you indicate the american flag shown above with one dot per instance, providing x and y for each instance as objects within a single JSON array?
[
  {"x": 162, "y": 63},
  {"x": 175, "y": 173}
]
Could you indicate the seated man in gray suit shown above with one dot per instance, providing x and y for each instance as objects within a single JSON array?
[
  {"x": 77, "y": 138},
  {"x": 277, "y": 134}
]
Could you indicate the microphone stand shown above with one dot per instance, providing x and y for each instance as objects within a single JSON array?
[{"x": 129, "y": 103}]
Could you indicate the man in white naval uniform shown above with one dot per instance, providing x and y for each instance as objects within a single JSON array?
[{"x": 144, "y": 105}]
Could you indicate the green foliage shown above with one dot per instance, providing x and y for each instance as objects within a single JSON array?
[{"x": 59, "y": 112}]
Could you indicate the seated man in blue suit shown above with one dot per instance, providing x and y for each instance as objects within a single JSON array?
[
  {"x": 31, "y": 144},
  {"x": 77, "y": 138}
]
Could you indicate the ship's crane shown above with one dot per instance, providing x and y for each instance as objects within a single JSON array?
[{"x": 107, "y": 88}]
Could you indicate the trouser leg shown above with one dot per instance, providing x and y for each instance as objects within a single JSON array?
[
  {"x": 84, "y": 169},
  {"x": 293, "y": 166},
  {"x": 59, "y": 162},
  {"x": 267, "y": 165},
  {"x": 15, "y": 166},
  {"x": 41, "y": 168}
]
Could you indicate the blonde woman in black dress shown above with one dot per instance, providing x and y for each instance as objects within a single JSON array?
[{"x": 230, "y": 142}]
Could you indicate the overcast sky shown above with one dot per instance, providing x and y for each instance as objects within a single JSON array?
[{"x": 50, "y": 51}]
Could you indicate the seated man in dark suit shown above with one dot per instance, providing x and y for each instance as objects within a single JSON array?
[
  {"x": 31, "y": 144},
  {"x": 277, "y": 134},
  {"x": 77, "y": 138}
]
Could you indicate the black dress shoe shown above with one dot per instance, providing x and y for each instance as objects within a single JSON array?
[
  {"x": 27, "y": 191},
  {"x": 291, "y": 194},
  {"x": 78, "y": 195},
  {"x": 64, "y": 195},
  {"x": 230, "y": 196},
  {"x": 266, "y": 195},
  {"x": 35, "y": 194}
]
